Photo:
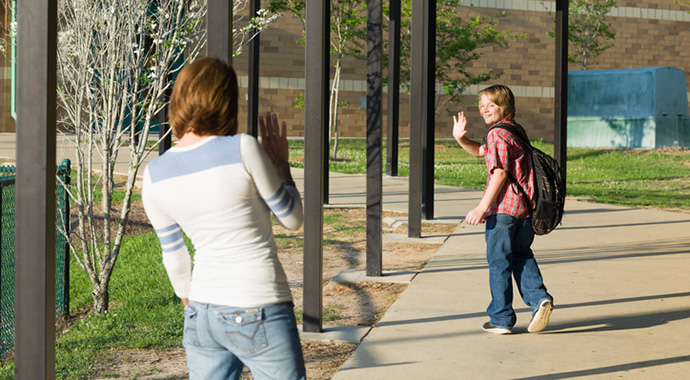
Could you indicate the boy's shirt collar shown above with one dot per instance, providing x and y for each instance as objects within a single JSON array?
[{"x": 504, "y": 121}]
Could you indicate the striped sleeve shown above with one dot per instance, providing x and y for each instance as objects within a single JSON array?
[
  {"x": 283, "y": 201},
  {"x": 176, "y": 258}
]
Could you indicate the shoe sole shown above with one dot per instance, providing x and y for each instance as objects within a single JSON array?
[
  {"x": 497, "y": 330},
  {"x": 541, "y": 317}
]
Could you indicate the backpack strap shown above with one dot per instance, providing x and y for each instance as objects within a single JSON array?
[
  {"x": 522, "y": 139},
  {"x": 516, "y": 134}
]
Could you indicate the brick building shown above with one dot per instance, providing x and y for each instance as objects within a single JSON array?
[{"x": 649, "y": 33}]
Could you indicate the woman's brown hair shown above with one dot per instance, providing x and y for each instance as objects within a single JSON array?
[
  {"x": 204, "y": 99},
  {"x": 502, "y": 97}
]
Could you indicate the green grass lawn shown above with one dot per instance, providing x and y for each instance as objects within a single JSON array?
[{"x": 658, "y": 178}]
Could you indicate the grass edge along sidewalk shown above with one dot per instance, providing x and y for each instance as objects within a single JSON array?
[{"x": 640, "y": 178}]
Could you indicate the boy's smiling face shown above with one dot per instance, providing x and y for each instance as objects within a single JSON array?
[{"x": 491, "y": 112}]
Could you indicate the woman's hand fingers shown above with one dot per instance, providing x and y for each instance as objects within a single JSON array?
[
  {"x": 274, "y": 138},
  {"x": 262, "y": 128}
]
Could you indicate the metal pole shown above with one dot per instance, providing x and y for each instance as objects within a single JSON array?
[
  {"x": 253, "y": 72},
  {"x": 326, "y": 76},
  {"x": 35, "y": 195},
  {"x": 428, "y": 115},
  {"x": 417, "y": 119},
  {"x": 393, "y": 88},
  {"x": 219, "y": 25},
  {"x": 561, "y": 99},
  {"x": 163, "y": 126},
  {"x": 374, "y": 135},
  {"x": 315, "y": 124},
  {"x": 325, "y": 91}
]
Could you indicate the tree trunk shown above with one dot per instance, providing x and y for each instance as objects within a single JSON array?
[
  {"x": 336, "y": 97},
  {"x": 101, "y": 298}
]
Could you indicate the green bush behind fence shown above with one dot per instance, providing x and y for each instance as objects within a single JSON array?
[{"x": 7, "y": 253}]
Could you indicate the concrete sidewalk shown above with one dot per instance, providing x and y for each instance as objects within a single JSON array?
[
  {"x": 64, "y": 148},
  {"x": 620, "y": 281},
  {"x": 619, "y": 277}
]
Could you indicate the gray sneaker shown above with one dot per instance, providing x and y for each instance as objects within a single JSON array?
[
  {"x": 540, "y": 318},
  {"x": 488, "y": 327}
]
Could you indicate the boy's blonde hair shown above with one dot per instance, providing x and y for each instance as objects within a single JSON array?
[{"x": 503, "y": 98}]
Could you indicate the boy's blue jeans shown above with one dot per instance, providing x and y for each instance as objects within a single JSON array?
[
  {"x": 509, "y": 254},
  {"x": 219, "y": 340}
]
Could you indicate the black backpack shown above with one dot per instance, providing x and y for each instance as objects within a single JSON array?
[{"x": 549, "y": 186}]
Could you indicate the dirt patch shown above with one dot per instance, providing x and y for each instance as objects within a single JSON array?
[
  {"x": 358, "y": 303},
  {"x": 322, "y": 361},
  {"x": 664, "y": 150},
  {"x": 143, "y": 364},
  {"x": 345, "y": 248}
]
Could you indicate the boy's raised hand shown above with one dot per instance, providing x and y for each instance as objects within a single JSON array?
[{"x": 459, "y": 126}]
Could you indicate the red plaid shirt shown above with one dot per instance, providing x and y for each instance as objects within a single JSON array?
[{"x": 503, "y": 151}]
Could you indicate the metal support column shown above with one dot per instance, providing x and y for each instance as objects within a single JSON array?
[
  {"x": 429, "y": 114},
  {"x": 326, "y": 159},
  {"x": 374, "y": 136},
  {"x": 163, "y": 125},
  {"x": 417, "y": 117},
  {"x": 315, "y": 127},
  {"x": 219, "y": 25},
  {"x": 35, "y": 196},
  {"x": 393, "y": 88},
  {"x": 561, "y": 98},
  {"x": 253, "y": 73}
]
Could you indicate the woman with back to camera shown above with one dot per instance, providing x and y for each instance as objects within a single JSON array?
[{"x": 220, "y": 187}]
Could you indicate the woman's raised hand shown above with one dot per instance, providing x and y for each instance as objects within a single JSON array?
[{"x": 274, "y": 139}]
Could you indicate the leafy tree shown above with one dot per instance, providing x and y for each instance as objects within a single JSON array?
[
  {"x": 589, "y": 33},
  {"x": 459, "y": 41},
  {"x": 348, "y": 33},
  {"x": 683, "y": 2},
  {"x": 115, "y": 62}
]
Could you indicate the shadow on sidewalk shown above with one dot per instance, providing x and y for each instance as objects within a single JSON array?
[
  {"x": 604, "y": 324},
  {"x": 610, "y": 369},
  {"x": 613, "y": 323}
]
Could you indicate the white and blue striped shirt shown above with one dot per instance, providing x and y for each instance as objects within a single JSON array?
[{"x": 220, "y": 192}]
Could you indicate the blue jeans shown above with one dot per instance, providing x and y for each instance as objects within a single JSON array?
[
  {"x": 219, "y": 340},
  {"x": 508, "y": 252}
]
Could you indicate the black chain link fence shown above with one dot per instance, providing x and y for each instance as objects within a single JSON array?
[{"x": 7, "y": 220}]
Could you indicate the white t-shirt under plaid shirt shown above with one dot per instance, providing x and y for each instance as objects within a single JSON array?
[
  {"x": 503, "y": 151},
  {"x": 220, "y": 192}
]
